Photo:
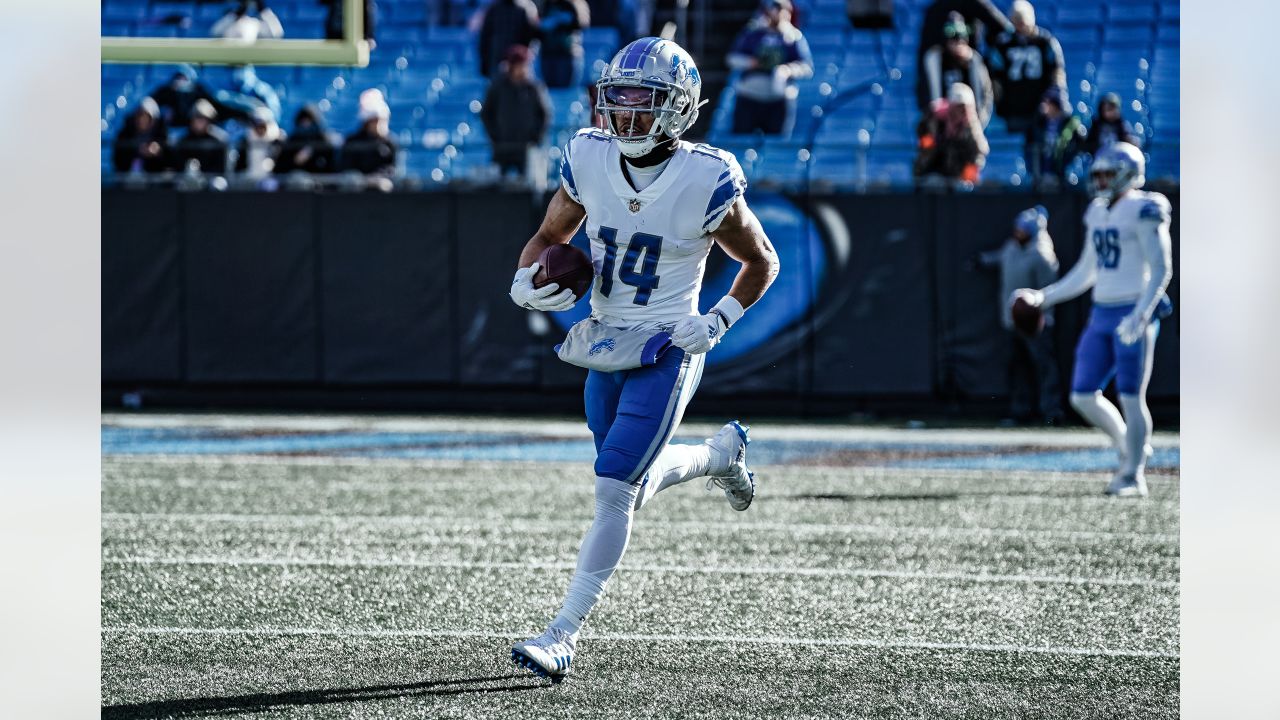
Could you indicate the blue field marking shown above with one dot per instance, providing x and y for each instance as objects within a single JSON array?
[{"x": 508, "y": 446}]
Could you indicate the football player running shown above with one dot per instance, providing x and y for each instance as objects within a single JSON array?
[
  {"x": 1127, "y": 260},
  {"x": 653, "y": 206}
]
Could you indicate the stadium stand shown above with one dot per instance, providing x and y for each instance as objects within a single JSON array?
[{"x": 428, "y": 72}]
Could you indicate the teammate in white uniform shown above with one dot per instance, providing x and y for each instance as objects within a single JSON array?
[
  {"x": 654, "y": 205},
  {"x": 1127, "y": 260}
]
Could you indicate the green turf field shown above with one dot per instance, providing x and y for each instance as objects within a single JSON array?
[{"x": 317, "y": 583}]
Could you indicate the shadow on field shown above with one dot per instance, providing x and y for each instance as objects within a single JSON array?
[{"x": 208, "y": 706}]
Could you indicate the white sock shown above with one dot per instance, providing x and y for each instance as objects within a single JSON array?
[
  {"x": 1138, "y": 433},
  {"x": 1103, "y": 415},
  {"x": 600, "y": 552},
  {"x": 681, "y": 463}
]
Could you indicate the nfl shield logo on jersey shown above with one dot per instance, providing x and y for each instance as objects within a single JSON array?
[{"x": 634, "y": 205}]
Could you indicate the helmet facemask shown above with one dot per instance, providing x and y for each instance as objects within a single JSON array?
[
  {"x": 1114, "y": 172},
  {"x": 638, "y": 116}
]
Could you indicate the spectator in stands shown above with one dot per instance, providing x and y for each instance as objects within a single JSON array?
[
  {"x": 980, "y": 15},
  {"x": 1024, "y": 64},
  {"x": 771, "y": 55},
  {"x": 517, "y": 112},
  {"x": 954, "y": 62},
  {"x": 562, "y": 24},
  {"x": 178, "y": 97},
  {"x": 370, "y": 149},
  {"x": 261, "y": 146},
  {"x": 506, "y": 23},
  {"x": 951, "y": 142},
  {"x": 143, "y": 143},
  {"x": 204, "y": 147},
  {"x": 309, "y": 147},
  {"x": 1053, "y": 140},
  {"x": 1028, "y": 257},
  {"x": 250, "y": 20},
  {"x": 244, "y": 94},
  {"x": 1109, "y": 127},
  {"x": 333, "y": 22}
]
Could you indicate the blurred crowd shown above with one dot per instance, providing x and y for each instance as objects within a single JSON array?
[{"x": 975, "y": 61}]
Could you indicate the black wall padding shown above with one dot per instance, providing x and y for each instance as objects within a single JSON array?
[
  {"x": 495, "y": 346},
  {"x": 874, "y": 332},
  {"x": 251, "y": 278},
  {"x": 387, "y": 289},
  {"x": 141, "y": 287}
]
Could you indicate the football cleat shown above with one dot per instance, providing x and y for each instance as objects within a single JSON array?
[
  {"x": 548, "y": 655},
  {"x": 1127, "y": 485},
  {"x": 738, "y": 483}
]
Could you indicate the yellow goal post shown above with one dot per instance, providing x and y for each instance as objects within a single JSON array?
[{"x": 351, "y": 50}]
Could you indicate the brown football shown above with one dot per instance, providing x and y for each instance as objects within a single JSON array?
[
  {"x": 1027, "y": 318},
  {"x": 566, "y": 266}
]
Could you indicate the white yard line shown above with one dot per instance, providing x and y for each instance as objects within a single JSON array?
[
  {"x": 658, "y": 569},
  {"x": 646, "y": 525},
  {"x": 1073, "y": 437},
  {"x": 623, "y": 637}
]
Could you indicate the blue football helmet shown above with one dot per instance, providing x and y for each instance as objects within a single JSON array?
[
  {"x": 650, "y": 75},
  {"x": 1122, "y": 166}
]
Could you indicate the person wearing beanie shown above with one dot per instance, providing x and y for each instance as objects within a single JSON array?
[
  {"x": 770, "y": 55},
  {"x": 955, "y": 61},
  {"x": 261, "y": 146},
  {"x": 1053, "y": 140},
  {"x": 1027, "y": 259},
  {"x": 310, "y": 147},
  {"x": 1024, "y": 64},
  {"x": 204, "y": 147},
  {"x": 950, "y": 139},
  {"x": 370, "y": 149},
  {"x": 517, "y": 112},
  {"x": 143, "y": 143},
  {"x": 1109, "y": 126}
]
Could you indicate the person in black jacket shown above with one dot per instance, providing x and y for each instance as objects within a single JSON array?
[
  {"x": 1054, "y": 139},
  {"x": 955, "y": 61},
  {"x": 204, "y": 147},
  {"x": 309, "y": 147},
  {"x": 143, "y": 142},
  {"x": 1024, "y": 64},
  {"x": 982, "y": 16},
  {"x": 370, "y": 149},
  {"x": 179, "y": 95},
  {"x": 562, "y": 24},
  {"x": 506, "y": 23},
  {"x": 517, "y": 112},
  {"x": 1108, "y": 126}
]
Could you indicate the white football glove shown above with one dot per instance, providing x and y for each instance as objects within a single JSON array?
[
  {"x": 1131, "y": 328},
  {"x": 549, "y": 298},
  {"x": 698, "y": 334},
  {"x": 1034, "y": 298}
]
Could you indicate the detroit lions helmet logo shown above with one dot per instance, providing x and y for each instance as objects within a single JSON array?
[{"x": 605, "y": 345}]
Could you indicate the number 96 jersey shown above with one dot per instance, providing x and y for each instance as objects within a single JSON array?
[
  {"x": 649, "y": 247},
  {"x": 1116, "y": 235}
]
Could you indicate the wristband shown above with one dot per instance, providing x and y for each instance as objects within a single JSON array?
[{"x": 728, "y": 309}]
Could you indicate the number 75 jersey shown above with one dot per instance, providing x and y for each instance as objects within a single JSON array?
[
  {"x": 649, "y": 247},
  {"x": 1115, "y": 234}
]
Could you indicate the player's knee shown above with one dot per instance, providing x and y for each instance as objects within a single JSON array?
[
  {"x": 1083, "y": 400},
  {"x": 614, "y": 497},
  {"x": 615, "y": 464}
]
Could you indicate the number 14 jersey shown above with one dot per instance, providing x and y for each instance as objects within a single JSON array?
[{"x": 649, "y": 247}]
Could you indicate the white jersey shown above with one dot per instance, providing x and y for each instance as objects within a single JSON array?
[
  {"x": 649, "y": 247},
  {"x": 1119, "y": 237}
]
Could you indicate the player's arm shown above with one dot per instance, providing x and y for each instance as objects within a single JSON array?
[
  {"x": 1078, "y": 279},
  {"x": 1157, "y": 250},
  {"x": 562, "y": 220},
  {"x": 742, "y": 238}
]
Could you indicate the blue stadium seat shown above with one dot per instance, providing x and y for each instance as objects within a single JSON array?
[
  {"x": 1131, "y": 13},
  {"x": 1080, "y": 14}
]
